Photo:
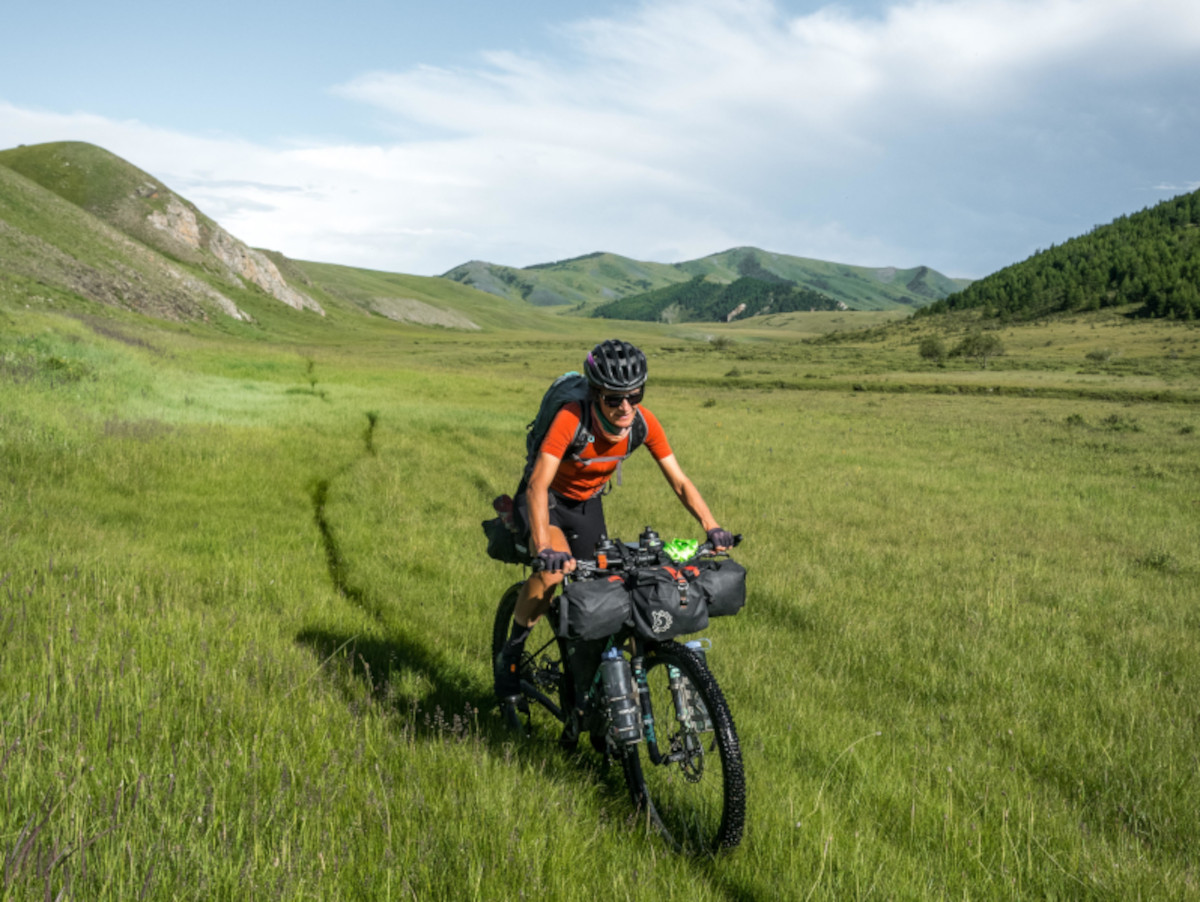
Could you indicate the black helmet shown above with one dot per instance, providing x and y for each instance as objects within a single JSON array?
[{"x": 615, "y": 366}]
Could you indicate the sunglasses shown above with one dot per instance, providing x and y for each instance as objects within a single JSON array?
[{"x": 614, "y": 401}]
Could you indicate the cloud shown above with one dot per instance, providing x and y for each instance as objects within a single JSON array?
[{"x": 959, "y": 134}]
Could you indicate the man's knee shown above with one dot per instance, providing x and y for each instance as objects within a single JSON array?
[{"x": 536, "y": 595}]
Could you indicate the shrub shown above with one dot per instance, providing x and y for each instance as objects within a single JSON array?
[
  {"x": 932, "y": 348},
  {"x": 980, "y": 346}
]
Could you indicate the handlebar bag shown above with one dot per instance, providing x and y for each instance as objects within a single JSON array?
[
  {"x": 722, "y": 583},
  {"x": 593, "y": 608},
  {"x": 664, "y": 603}
]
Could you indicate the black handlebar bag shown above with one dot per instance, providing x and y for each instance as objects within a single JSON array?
[
  {"x": 593, "y": 608},
  {"x": 722, "y": 585},
  {"x": 665, "y": 604}
]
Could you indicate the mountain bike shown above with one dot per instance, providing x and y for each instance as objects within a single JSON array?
[{"x": 668, "y": 724}]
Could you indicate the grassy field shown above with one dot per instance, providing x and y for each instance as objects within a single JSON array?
[{"x": 246, "y": 611}]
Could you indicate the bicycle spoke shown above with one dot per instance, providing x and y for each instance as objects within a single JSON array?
[{"x": 697, "y": 786}]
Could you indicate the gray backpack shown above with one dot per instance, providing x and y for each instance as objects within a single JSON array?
[{"x": 567, "y": 388}]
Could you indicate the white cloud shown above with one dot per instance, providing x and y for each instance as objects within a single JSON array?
[{"x": 689, "y": 126}]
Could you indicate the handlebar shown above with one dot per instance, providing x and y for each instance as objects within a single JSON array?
[{"x": 631, "y": 556}]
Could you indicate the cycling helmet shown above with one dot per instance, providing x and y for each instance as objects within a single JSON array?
[{"x": 615, "y": 366}]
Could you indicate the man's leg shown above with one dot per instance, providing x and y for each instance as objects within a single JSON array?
[{"x": 533, "y": 602}]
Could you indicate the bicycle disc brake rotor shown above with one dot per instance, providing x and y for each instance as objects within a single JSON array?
[{"x": 688, "y": 751}]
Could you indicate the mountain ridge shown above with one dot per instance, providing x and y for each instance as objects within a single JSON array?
[
  {"x": 1150, "y": 258},
  {"x": 588, "y": 281}
]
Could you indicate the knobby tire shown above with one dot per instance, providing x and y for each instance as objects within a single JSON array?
[{"x": 698, "y": 801}]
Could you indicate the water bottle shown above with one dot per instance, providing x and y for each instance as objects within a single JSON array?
[
  {"x": 650, "y": 541},
  {"x": 623, "y": 712}
]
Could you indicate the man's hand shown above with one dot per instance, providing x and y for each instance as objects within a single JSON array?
[
  {"x": 720, "y": 539},
  {"x": 553, "y": 561}
]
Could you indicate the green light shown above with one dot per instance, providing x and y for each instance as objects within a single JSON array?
[{"x": 681, "y": 550}]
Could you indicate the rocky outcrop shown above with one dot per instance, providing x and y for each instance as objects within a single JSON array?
[
  {"x": 410, "y": 310},
  {"x": 180, "y": 222}
]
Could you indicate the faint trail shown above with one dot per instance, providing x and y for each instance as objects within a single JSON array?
[{"x": 335, "y": 560}]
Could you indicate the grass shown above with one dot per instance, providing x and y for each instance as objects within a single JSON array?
[{"x": 245, "y": 614}]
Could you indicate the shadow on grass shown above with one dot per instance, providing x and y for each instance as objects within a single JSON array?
[
  {"x": 449, "y": 696},
  {"x": 453, "y": 708}
]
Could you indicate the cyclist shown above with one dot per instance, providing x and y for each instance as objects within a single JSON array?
[{"x": 562, "y": 504}]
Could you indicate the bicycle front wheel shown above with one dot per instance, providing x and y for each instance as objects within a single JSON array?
[{"x": 688, "y": 779}]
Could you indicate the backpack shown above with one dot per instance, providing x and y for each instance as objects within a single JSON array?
[
  {"x": 567, "y": 388},
  {"x": 506, "y": 535}
]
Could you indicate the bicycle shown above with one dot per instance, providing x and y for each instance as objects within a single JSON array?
[{"x": 672, "y": 732}]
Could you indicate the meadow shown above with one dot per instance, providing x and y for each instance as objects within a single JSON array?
[{"x": 246, "y": 611}]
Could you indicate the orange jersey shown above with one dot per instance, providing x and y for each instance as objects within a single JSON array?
[{"x": 583, "y": 478}]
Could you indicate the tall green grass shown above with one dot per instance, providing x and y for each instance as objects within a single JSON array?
[{"x": 245, "y": 621}]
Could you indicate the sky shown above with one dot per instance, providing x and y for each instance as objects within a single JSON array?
[{"x": 411, "y": 137}]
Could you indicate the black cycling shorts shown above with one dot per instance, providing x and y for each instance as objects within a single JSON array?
[{"x": 582, "y": 522}]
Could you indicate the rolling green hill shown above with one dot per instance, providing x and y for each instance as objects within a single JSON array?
[
  {"x": 597, "y": 279},
  {"x": 83, "y": 225},
  {"x": 1150, "y": 259},
  {"x": 146, "y": 210},
  {"x": 420, "y": 300},
  {"x": 59, "y": 253},
  {"x": 581, "y": 281},
  {"x": 858, "y": 287},
  {"x": 705, "y": 299}
]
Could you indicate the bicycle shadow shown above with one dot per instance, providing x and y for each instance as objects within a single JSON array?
[
  {"x": 453, "y": 707},
  {"x": 448, "y": 700}
]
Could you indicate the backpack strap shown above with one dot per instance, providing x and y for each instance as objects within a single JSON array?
[
  {"x": 584, "y": 436},
  {"x": 637, "y": 437}
]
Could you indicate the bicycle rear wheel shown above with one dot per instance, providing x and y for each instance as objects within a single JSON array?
[
  {"x": 688, "y": 777},
  {"x": 541, "y": 665}
]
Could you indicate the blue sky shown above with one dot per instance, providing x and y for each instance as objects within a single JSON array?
[{"x": 410, "y": 137}]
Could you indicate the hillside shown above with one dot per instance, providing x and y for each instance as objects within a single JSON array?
[
  {"x": 78, "y": 223},
  {"x": 858, "y": 287},
  {"x": 1150, "y": 259},
  {"x": 136, "y": 203},
  {"x": 419, "y": 300},
  {"x": 587, "y": 280},
  {"x": 53, "y": 251},
  {"x": 597, "y": 279},
  {"x": 705, "y": 299}
]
